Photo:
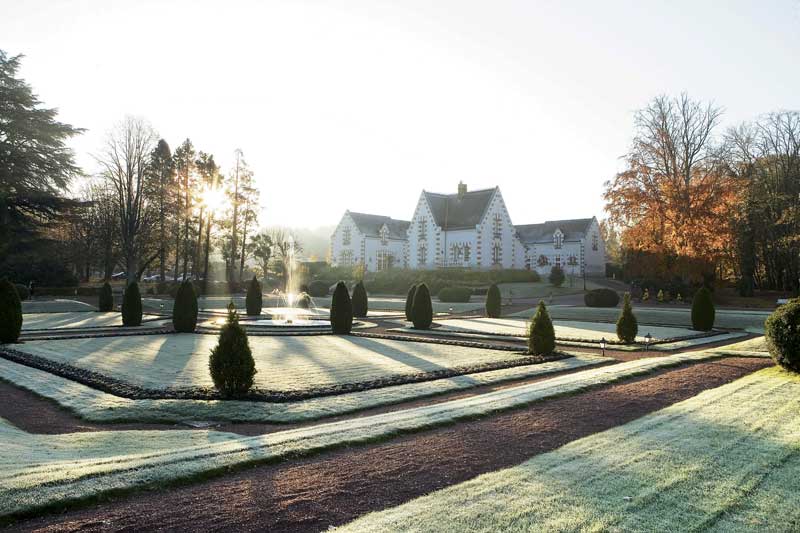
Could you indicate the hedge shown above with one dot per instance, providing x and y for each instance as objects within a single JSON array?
[
  {"x": 454, "y": 294},
  {"x": 494, "y": 302},
  {"x": 10, "y": 313},
  {"x": 601, "y": 298},
  {"x": 783, "y": 335}
]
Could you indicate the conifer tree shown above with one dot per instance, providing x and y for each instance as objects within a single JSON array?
[
  {"x": 542, "y": 335},
  {"x": 703, "y": 312},
  {"x": 10, "y": 313},
  {"x": 231, "y": 362},
  {"x": 410, "y": 301},
  {"x": 106, "y": 301},
  {"x": 184, "y": 311},
  {"x": 341, "y": 310},
  {"x": 360, "y": 300},
  {"x": 493, "y": 301},
  {"x": 627, "y": 325},
  {"x": 422, "y": 309},
  {"x": 254, "y": 299},
  {"x": 132, "y": 306}
]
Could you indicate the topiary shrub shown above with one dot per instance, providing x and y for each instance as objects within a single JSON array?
[
  {"x": 422, "y": 308},
  {"x": 360, "y": 302},
  {"x": 22, "y": 291},
  {"x": 231, "y": 362},
  {"x": 703, "y": 312},
  {"x": 10, "y": 313},
  {"x": 184, "y": 310},
  {"x": 341, "y": 310},
  {"x": 253, "y": 300},
  {"x": 627, "y": 325},
  {"x": 303, "y": 301},
  {"x": 541, "y": 335},
  {"x": 318, "y": 288},
  {"x": 410, "y": 301},
  {"x": 455, "y": 294},
  {"x": 783, "y": 335},
  {"x": 493, "y": 302},
  {"x": 601, "y": 298},
  {"x": 132, "y": 306},
  {"x": 106, "y": 299},
  {"x": 556, "y": 276}
]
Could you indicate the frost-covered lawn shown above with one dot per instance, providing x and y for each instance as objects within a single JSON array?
[
  {"x": 283, "y": 363},
  {"x": 73, "y": 319},
  {"x": 725, "y": 460},
  {"x": 55, "y": 306}
]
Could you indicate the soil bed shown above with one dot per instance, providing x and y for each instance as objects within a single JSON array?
[{"x": 333, "y": 488}]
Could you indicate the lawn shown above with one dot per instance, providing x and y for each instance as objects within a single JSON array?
[
  {"x": 55, "y": 306},
  {"x": 74, "y": 320},
  {"x": 725, "y": 460}
]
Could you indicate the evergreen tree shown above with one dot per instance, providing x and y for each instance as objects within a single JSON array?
[
  {"x": 703, "y": 312},
  {"x": 132, "y": 306},
  {"x": 184, "y": 311},
  {"x": 627, "y": 326},
  {"x": 360, "y": 301},
  {"x": 556, "y": 276},
  {"x": 542, "y": 336},
  {"x": 341, "y": 310},
  {"x": 410, "y": 301},
  {"x": 422, "y": 309},
  {"x": 106, "y": 300},
  {"x": 493, "y": 301},
  {"x": 231, "y": 362},
  {"x": 10, "y": 313},
  {"x": 254, "y": 299}
]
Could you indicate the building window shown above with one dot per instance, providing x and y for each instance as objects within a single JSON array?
[
  {"x": 384, "y": 235},
  {"x": 422, "y": 254},
  {"x": 558, "y": 240},
  {"x": 422, "y": 234},
  {"x": 572, "y": 260},
  {"x": 467, "y": 254},
  {"x": 543, "y": 261},
  {"x": 594, "y": 242},
  {"x": 497, "y": 253},
  {"x": 384, "y": 260},
  {"x": 558, "y": 260},
  {"x": 346, "y": 236},
  {"x": 346, "y": 258},
  {"x": 497, "y": 226}
]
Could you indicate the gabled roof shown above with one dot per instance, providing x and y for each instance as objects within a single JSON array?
[
  {"x": 454, "y": 211},
  {"x": 573, "y": 230},
  {"x": 370, "y": 225}
]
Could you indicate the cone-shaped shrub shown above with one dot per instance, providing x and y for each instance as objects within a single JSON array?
[
  {"x": 422, "y": 308},
  {"x": 132, "y": 306},
  {"x": 184, "y": 311},
  {"x": 360, "y": 301},
  {"x": 231, "y": 363},
  {"x": 341, "y": 310},
  {"x": 493, "y": 301},
  {"x": 10, "y": 313},
  {"x": 542, "y": 336},
  {"x": 410, "y": 301},
  {"x": 627, "y": 325},
  {"x": 703, "y": 310},
  {"x": 556, "y": 276},
  {"x": 783, "y": 335},
  {"x": 106, "y": 302},
  {"x": 253, "y": 300}
]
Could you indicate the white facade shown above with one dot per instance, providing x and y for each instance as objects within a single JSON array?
[{"x": 374, "y": 245}]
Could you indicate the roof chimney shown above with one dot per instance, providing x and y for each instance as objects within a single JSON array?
[{"x": 462, "y": 189}]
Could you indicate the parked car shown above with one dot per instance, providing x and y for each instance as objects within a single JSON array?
[{"x": 119, "y": 275}]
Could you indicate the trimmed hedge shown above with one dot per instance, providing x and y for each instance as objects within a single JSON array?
[
  {"x": 231, "y": 362},
  {"x": 601, "y": 298},
  {"x": 22, "y": 291},
  {"x": 410, "y": 301},
  {"x": 319, "y": 288},
  {"x": 703, "y": 312},
  {"x": 494, "y": 302},
  {"x": 397, "y": 280},
  {"x": 132, "y": 306},
  {"x": 184, "y": 310},
  {"x": 627, "y": 325},
  {"x": 54, "y": 291},
  {"x": 783, "y": 335},
  {"x": 422, "y": 308},
  {"x": 105, "y": 302},
  {"x": 253, "y": 300},
  {"x": 455, "y": 294},
  {"x": 360, "y": 301},
  {"x": 542, "y": 335},
  {"x": 341, "y": 310},
  {"x": 10, "y": 313},
  {"x": 557, "y": 276},
  {"x": 88, "y": 291}
]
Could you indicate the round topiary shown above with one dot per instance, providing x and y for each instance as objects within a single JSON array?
[
  {"x": 556, "y": 276},
  {"x": 627, "y": 325},
  {"x": 783, "y": 335},
  {"x": 132, "y": 306},
  {"x": 541, "y": 336},
  {"x": 703, "y": 310},
  {"x": 360, "y": 301},
  {"x": 341, "y": 310},
  {"x": 10, "y": 313},
  {"x": 106, "y": 300},
  {"x": 231, "y": 362},
  {"x": 422, "y": 308},
  {"x": 253, "y": 300},
  {"x": 493, "y": 301},
  {"x": 184, "y": 311},
  {"x": 410, "y": 301},
  {"x": 601, "y": 298}
]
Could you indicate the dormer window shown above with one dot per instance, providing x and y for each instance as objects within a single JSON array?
[
  {"x": 422, "y": 234},
  {"x": 594, "y": 242},
  {"x": 497, "y": 226},
  {"x": 346, "y": 236},
  {"x": 558, "y": 239},
  {"x": 384, "y": 233}
]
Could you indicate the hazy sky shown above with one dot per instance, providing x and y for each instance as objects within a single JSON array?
[{"x": 361, "y": 104}]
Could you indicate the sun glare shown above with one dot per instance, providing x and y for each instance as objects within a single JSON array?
[{"x": 213, "y": 199}]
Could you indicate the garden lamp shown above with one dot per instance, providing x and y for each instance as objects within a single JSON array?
[{"x": 603, "y": 346}]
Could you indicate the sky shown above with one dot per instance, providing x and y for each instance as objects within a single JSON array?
[{"x": 361, "y": 105}]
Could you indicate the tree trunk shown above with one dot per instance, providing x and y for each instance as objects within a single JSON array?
[{"x": 205, "y": 260}]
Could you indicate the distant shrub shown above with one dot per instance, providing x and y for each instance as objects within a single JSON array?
[
  {"x": 22, "y": 291},
  {"x": 494, "y": 302},
  {"x": 627, "y": 325},
  {"x": 646, "y": 295},
  {"x": 455, "y": 294},
  {"x": 318, "y": 288},
  {"x": 106, "y": 299},
  {"x": 303, "y": 301},
  {"x": 542, "y": 335},
  {"x": 10, "y": 313},
  {"x": 703, "y": 312},
  {"x": 783, "y": 335},
  {"x": 253, "y": 300},
  {"x": 601, "y": 298},
  {"x": 341, "y": 310},
  {"x": 132, "y": 306},
  {"x": 184, "y": 310},
  {"x": 360, "y": 301},
  {"x": 410, "y": 301},
  {"x": 422, "y": 308},
  {"x": 660, "y": 296},
  {"x": 231, "y": 362},
  {"x": 556, "y": 276}
]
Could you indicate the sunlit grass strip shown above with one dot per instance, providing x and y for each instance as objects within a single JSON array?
[
  {"x": 38, "y": 471},
  {"x": 725, "y": 460},
  {"x": 97, "y": 406}
]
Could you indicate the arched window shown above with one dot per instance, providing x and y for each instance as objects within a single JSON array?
[
  {"x": 558, "y": 239},
  {"x": 467, "y": 251},
  {"x": 543, "y": 260},
  {"x": 497, "y": 226},
  {"x": 422, "y": 254},
  {"x": 594, "y": 242},
  {"x": 346, "y": 236},
  {"x": 384, "y": 235},
  {"x": 497, "y": 253},
  {"x": 422, "y": 232}
]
